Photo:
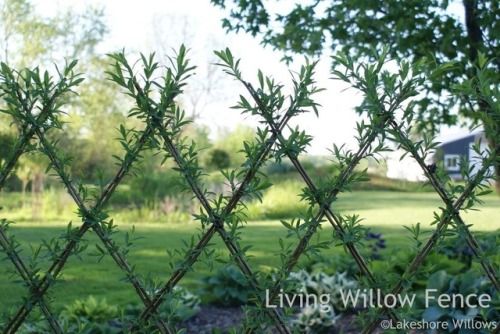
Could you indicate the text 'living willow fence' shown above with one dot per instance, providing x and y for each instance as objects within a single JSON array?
[{"x": 35, "y": 100}]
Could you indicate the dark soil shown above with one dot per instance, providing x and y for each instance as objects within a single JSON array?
[{"x": 212, "y": 318}]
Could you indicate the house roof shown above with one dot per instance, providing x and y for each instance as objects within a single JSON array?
[{"x": 450, "y": 138}]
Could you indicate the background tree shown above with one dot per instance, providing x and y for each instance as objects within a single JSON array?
[
  {"x": 209, "y": 84},
  {"x": 445, "y": 30},
  {"x": 92, "y": 120},
  {"x": 30, "y": 39},
  {"x": 22, "y": 30}
]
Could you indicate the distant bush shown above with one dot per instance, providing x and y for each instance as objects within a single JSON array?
[
  {"x": 147, "y": 188},
  {"x": 280, "y": 202},
  {"x": 13, "y": 183},
  {"x": 383, "y": 183},
  {"x": 219, "y": 159},
  {"x": 279, "y": 168}
]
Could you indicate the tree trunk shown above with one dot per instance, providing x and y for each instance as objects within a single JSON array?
[
  {"x": 497, "y": 169},
  {"x": 495, "y": 150},
  {"x": 476, "y": 43},
  {"x": 37, "y": 186},
  {"x": 24, "y": 185}
]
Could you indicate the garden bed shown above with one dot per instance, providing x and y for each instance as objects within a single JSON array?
[{"x": 211, "y": 319}]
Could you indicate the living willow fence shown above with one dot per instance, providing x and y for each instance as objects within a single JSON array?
[{"x": 35, "y": 100}]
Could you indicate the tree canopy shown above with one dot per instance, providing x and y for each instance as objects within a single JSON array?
[
  {"x": 30, "y": 39},
  {"x": 447, "y": 31},
  {"x": 413, "y": 29}
]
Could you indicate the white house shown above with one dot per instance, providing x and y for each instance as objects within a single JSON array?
[{"x": 450, "y": 152}]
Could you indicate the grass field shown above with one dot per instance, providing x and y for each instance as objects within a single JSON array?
[{"x": 383, "y": 212}]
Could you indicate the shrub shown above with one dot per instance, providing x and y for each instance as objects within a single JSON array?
[
  {"x": 228, "y": 287},
  {"x": 463, "y": 285},
  {"x": 312, "y": 319},
  {"x": 457, "y": 247},
  {"x": 319, "y": 283},
  {"x": 316, "y": 317},
  {"x": 90, "y": 310},
  {"x": 183, "y": 304},
  {"x": 332, "y": 264},
  {"x": 178, "y": 306}
]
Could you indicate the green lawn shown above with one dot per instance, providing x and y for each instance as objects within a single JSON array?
[{"x": 384, "y": 212}]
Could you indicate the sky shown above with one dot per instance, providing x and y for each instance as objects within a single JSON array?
[{"x": 150, "y": 25}]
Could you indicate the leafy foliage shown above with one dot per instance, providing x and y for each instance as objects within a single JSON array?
[{"x": 35, "y": 99}]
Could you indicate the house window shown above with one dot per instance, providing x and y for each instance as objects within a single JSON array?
[{"x": 452, "y": 162}]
